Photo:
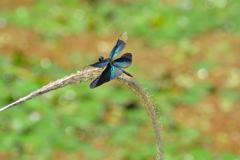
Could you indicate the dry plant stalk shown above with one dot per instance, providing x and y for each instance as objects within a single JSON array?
[{"x": 90, "y": 74}]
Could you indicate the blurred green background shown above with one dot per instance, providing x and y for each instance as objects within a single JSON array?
[{"x": 185, "y": 52}]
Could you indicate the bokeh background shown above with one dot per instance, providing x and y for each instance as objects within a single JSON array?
[{"x": 185, "y": 52}]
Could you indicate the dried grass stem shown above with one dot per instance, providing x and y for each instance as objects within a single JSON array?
[{"x": 90, "y": 74}]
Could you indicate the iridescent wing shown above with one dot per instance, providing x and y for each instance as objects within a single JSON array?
[
  {"x": 124, "y": 61},
  {"x": 110, "y": 73},
  {"x": 121, "y": 43},
  {"x": 100, "y": 64}
]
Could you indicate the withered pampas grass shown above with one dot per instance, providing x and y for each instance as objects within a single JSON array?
[{"x": 90, "y": 74}]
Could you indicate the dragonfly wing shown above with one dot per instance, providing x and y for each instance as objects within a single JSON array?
[
  {"x": 110, "y": 73},
  {"x": 115, "y": 72},
  {"x": 100, "y": 64},
  {"x": 124, "y": 61},
  {"x": 121, "y": 43}
]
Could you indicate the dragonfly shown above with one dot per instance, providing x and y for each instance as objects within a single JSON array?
[{"x": 114, "y": 67}]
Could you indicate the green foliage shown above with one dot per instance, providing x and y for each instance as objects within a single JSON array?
[
  {"x": 108, "y": 122},
  {"x": 154, "y": 20}
]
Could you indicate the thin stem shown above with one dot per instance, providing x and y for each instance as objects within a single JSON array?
[
  {"x": 151, "y": 110},
  {"x": 90, "y": 74}
]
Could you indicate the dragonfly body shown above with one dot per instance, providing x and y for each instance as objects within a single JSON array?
[{"x": 114, "y": 67}]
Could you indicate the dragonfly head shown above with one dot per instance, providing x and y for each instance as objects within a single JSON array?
[{"x": 100, "y": 58}]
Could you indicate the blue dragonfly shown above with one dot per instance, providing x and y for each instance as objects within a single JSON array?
[{"x": 114, "y": 67}]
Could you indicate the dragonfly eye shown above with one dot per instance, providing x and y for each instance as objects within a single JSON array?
[{"x": 100, "y": 58}]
